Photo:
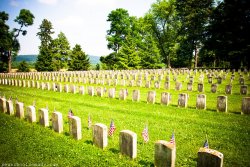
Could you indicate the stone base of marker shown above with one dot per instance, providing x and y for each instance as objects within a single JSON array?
[
  {"x": 100, "y": 135},
  {"x": 165, "y": 98},
  {"x": 183, "y": 100},
  {"x": 76, "y": 127},
  {"x": 57, "y": 122},
  {"x": 44, "y": 117},
  {"x": 201, "y": 102},
  {"x": 222, "y": 104},
  {"x": 31, "y": 114},
  {"x": 19, "y": 110},
  {"x": 10, "y": 108},
  {"x": 209, "y": 158},
  {"x": 245, "y": 107},
  {"x": 128, "y": 143},
  {"x": 136, "y": 95},
  {"x": 165, "y": 154},
  {"x": 3, "y": 107}
]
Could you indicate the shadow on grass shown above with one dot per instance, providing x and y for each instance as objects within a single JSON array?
[
  {"x": 146, "y": 163},
  {"x": 114, "y": 150},
  {"x": 89, "y": 142}
]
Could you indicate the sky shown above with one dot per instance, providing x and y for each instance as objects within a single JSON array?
[{"x": 82, "y": 21}]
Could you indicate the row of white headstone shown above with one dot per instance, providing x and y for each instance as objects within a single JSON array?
[
  {"x": 222, "y": 104},
  {"x": 165, "y": 152}
]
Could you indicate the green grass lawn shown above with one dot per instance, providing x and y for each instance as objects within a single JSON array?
[{"x": 22, "y": 142}]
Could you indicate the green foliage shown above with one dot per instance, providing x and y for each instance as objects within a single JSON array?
[
  {"x": 194, "y": 16},
  {"x": 228, "y": 33},
  {"x": 78, "y": 59},
  {"x": 9, "y": 44},
  {"x": 97, "y": 67},
  {"x": 164, "y": 27},
  {"x": 119, "y": 28},
  {"x": 60, "y": 49},
  {"x": 23, "y": 67},
  {"x": 44, "y": 59}
]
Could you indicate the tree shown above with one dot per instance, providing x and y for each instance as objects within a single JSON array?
[
  {"x": 60, "y": 52},
  {"x": 119, "y": 28},
  {"x": 78, "y": 59},
  {"x": 44, "y": 59},
  {"x": 228, "y": 35},
  {"x": 194, "y": 16},
  {"x": 10, "y": 44},
  {"x": 23, "y": 67},
  {"x": 164, "y": 27}
]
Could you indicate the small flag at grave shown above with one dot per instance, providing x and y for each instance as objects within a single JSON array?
[
  {"x": 145, "y": 134},
  {"x": 206, "y": 144},
  {"x": 172, "y": 140},
  {"x": 70, "y": 114},
  {"x": 111, "y": 128},
  {"x": 89, "y": 122}
]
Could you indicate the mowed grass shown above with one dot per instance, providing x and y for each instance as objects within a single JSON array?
[{"x": 22, "y": 142}]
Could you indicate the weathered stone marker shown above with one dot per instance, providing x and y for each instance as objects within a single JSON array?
[
  {"x": 123, "y": 94},
  {"x": 151, "y": 97},
  {"x": 190, "y": 86},
  {"x": 128, "y": 143},
  {"x": 165, "y": 154},
  {"x": 31, "y": 114},
  {"x": 66, "y": 88},
  {"x": 200, "y": 87},
  {"x": 10, "y": 108},
  {"x": 99, "y": 91},
  {"x": 19, "y": 110},
  {"x": 3, "y": 107},
  {"x": 82, "y": 90},
  {"x": 100, "y": 135},
  {"x": 167, "y": 85},
  {"x": 243, "y": 89},
  {"x": 111, "y": 93},
  {"x": 75, "y": 127},
  {"x": 57, "y": 122},
  {"x": 183, "y": 100},
  {"x": 178, "y": 86},
  {"x": 136, "y": 95},
  {"x": 228, "y": 89},
  {"x": 213, "y": 88},
  {"x": 165, "y": 98},
  {"x": 209, "y": 158},
  {"x": 201, "y": 102},
  {"x": 245, "y": 107},
  {"x": 222, "y": 104},
  {"x": 44, "y": 117},
  {"x": 91, "y": 91}
]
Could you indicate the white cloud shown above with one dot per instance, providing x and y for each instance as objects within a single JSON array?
[
  {"x": 14, "y": 3},
  {"x": 48, "y": 2}
]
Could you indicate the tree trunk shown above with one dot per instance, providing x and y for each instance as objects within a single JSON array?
[
  {"x": 195, "y": 57},
  {"x": 9, "y": 61},
  {"x": 169, "y": 66}
]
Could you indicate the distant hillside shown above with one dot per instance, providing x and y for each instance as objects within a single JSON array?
[{"x": 33, "y": 58}]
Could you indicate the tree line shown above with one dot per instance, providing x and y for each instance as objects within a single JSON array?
[
  {"x": 180, "y": 33},
  {"x": 173, "y": 33}
]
